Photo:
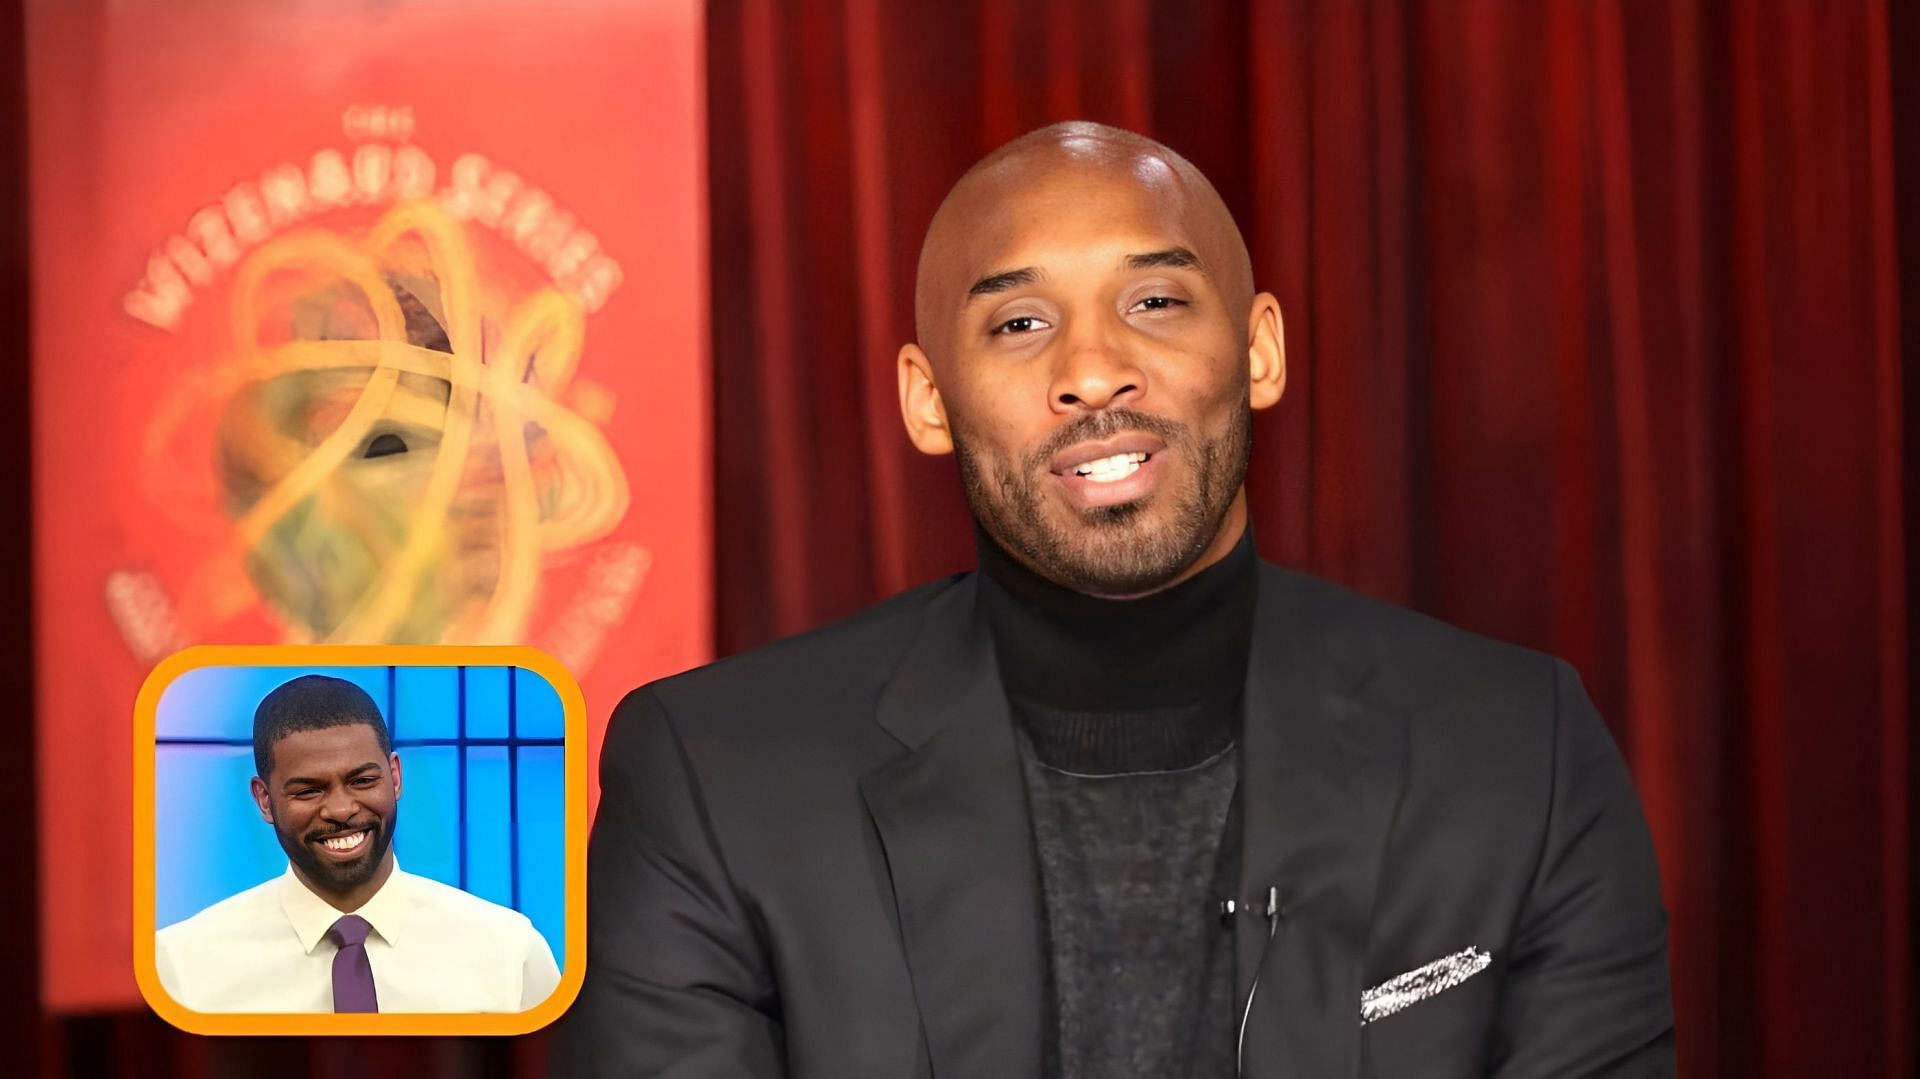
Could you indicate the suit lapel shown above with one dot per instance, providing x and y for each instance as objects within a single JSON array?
[
  {"x": 1322, "y": 768},
  {"x": 952, "y": 816}
]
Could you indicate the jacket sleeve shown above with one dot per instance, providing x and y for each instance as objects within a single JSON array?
[
  {"x": 677, "y": 983},
  {"x": 1587, "y": 990}
]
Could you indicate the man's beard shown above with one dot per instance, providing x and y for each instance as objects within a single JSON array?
[
  {"x": 339, "y": 876},
  {"x": 1113, "y": 550}
]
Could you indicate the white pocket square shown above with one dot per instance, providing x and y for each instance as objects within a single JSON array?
[{"x": 1404, "y": 990}]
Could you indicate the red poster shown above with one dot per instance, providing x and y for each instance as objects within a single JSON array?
[{"x": 353, "y": 322}]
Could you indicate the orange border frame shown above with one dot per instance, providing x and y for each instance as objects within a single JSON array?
[{"x": 573, "y": 967}]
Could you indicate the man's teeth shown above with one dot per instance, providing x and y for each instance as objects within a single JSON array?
[
  {"x": 1109, "y": 469},
  {"x": 344, "y": 843}
]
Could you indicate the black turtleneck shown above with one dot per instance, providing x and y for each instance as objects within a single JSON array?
[
  {"x": 1123, "y": 685},
  {"x": 1129, "y": 712}
]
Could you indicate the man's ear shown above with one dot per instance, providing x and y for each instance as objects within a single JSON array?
[
  {"x": 393, "y": 768},
  {"x": 1266, "y": 352},
  {"x": 920, "y": 406},
  {"x": 261, "y": 800}
]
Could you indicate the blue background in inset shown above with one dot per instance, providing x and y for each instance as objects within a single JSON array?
[{"x": 483, "y": 779}]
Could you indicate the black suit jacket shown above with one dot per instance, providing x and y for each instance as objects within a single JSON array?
[{"x": 815, "y": 859}]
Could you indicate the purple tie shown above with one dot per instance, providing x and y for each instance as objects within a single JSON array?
[{"x": 352, "y": 973}]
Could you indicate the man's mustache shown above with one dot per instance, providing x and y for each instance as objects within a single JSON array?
[
  {"x": 372, "y": 823},
  {"x": 1105, "y": 424}
]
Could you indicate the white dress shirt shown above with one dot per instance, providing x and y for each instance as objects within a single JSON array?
[{"x": 433, "y": 948}]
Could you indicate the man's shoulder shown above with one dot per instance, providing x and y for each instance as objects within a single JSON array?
[
  {"x": 451, "y": 907},
  {"x": 832, "y": 665},
  {"x": 252, "y": 906},
  {"x": 1420, "y": 654}
]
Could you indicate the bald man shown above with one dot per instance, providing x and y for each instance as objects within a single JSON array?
[{"x": 1127, "y": 801}]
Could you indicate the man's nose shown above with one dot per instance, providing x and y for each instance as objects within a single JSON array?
[
  {"x": 340, "y": 805},
  {"x": 1095, "y": 371}
]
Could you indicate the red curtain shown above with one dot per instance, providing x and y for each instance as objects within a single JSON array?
[{"x": 1593, "y": 314}]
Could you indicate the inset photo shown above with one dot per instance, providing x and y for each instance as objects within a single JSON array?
[{"x": 378, "y": 839}]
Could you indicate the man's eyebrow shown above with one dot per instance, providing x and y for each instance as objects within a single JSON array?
[
  {"x": 310, "y": 781},
  {"x": 1173, "y": 258},
  {"x": 1003, "y": 281}
]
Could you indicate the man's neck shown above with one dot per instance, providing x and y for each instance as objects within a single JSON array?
[
  {"x": 1176, "y": 646},
  {"x": 352, "y": 899}
]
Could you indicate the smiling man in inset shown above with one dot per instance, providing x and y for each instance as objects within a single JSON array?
[
  {"x": 1128, "y": 801},
  {"x": 344, "y": 929}
]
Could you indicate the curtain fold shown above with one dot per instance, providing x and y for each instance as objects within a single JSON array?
[{"x": 1593, "y": 319}]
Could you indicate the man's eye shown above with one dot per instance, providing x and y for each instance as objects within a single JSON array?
[
  {"x": 306, "y": 792},
  {"x": 384, "y": 445},
  {"x": 363, "y": 781},
  {"x": 1023, "y": 324},
  {"x": 1158, "y": 303}
]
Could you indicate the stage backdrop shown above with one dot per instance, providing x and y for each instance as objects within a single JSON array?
[{"x": 353, "y": 322}]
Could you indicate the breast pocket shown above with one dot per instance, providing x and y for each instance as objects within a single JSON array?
[{"x": 1432, "y": 1020}]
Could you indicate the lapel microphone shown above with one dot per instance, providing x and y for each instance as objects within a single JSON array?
[{"x": 1230, "y": 907}]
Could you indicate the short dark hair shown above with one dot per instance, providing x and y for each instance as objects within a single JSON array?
[{"x": 312, "y": 702}]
